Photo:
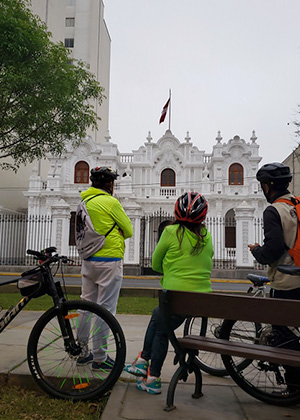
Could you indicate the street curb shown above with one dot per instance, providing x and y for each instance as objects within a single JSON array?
[
  {"x": 213, "y": 280},
  {"x": 125, "y": 291}
]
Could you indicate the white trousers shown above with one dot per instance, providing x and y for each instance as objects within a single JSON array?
[{"x": 101, "y": 283}]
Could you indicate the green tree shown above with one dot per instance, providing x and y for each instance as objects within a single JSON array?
[{"x": 44, "y": 100}]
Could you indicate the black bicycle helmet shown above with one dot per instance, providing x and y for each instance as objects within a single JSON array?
[
  {"x": 274, "y": 173},
  {"x": 191, "y": 207},
  {"x": 103, "y": 173}
]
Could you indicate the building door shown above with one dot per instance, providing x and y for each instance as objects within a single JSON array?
[
  {"x": 230, "y": 230},
  {"x": 152, "y": 227}
]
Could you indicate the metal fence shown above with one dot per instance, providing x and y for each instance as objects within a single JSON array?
[
  {"x": 223, "y": 232},
  {"x": 20, "y": 232},
  {"x": 219, "y": 227}
]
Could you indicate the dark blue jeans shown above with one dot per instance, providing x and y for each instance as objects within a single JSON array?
[{"x": 156, "y": 340}]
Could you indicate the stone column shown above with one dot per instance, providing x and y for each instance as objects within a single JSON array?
[
  {"x": 132, "y": 245},
  {"x": 60, "y": 226},
  {"x": 34, "y": 192},
  {"x": 244, "y": 215}
]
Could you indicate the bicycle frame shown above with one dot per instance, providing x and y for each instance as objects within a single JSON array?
[
  {"x": 261, "y": 291},
  {"x": 11, "y": 313},
  {"x": 55, "y": 291}
]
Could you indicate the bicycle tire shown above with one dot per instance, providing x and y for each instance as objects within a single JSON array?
[
  {"x": 212, "y": 363},
  {"x": 55, "y": 370},
  {"x": 259, "y": 379},
  {"x": 208, "y": 362}
]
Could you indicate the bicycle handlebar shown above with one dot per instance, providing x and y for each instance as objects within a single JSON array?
[{"x": 45, "y": 255}]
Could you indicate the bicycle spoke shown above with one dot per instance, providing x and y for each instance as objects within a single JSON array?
[{"x": 56, "y": 368}]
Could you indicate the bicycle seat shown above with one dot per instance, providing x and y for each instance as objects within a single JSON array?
[
  {"x": 258, "y": 280},
  {"x": 289, "y": 269}
]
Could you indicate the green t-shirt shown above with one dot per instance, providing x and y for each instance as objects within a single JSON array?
[{"x": 181, "y": 269}]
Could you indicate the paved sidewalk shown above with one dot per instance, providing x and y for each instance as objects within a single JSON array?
[{"x": 222, "y": 398}]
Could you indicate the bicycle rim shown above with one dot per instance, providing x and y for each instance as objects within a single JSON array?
[
  {"x": 55, "y": 369},
  {"x": 262, "y": 380},
  {"x": 210, "y": 363}
]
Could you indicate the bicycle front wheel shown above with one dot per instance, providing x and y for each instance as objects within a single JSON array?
[
  {"x": 53, "y": 364},
  {"x": 262, "y": 380}
]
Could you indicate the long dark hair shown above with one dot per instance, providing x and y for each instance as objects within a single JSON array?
[{"x": 199, "y": 229}]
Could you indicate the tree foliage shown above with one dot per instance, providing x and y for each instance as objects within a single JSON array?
[{"x": 44, "y": 100}]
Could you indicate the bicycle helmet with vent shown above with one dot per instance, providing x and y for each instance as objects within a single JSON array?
[
  {"x": 191, "y": 207},
  {"x": 274, "y": 174},
  {"x": 103, "y": 173}
]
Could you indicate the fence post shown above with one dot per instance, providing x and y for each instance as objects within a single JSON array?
[
  {"x": 244, "y": 215},
  {"x": 61, "y": 226},
  {"x": 132, "y": 245}
]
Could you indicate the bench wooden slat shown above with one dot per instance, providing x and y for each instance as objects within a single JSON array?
[
  {"x": 243, "y": 308},
  {"x": 245, "y": 350}
]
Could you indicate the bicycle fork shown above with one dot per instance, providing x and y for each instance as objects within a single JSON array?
[{"x": 64, "y": 319}]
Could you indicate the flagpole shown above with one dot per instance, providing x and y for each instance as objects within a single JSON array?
[{"x": 170, "y": 110}]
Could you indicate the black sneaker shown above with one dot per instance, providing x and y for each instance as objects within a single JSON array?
[
  {"x": 83, "y": 361},
  {"x": 108, "y": 364}
]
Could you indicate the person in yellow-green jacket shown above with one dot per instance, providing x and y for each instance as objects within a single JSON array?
[
  {"x": 184, "y": 256},
  {"x": 102, "y": 273}
]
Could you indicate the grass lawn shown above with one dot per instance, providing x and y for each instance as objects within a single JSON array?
[
  {"x": 21, "y": 404},
  {"x": 126, "y": 305}
]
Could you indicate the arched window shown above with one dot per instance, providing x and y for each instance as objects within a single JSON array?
[
  {"x": 81, "y": 175},
  {"x": 236, "y": 174},
  {"x": 167, "y": 178}
]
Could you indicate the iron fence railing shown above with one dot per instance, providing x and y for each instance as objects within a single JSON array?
[
  {"x": 223, "y": 232},
  {"x": 20, "y": 232}
]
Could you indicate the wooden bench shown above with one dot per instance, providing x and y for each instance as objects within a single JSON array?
[{"x": 240, "y": 308}]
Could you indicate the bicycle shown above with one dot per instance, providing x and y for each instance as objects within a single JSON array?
[
  {"x": 212, "y": 363},
  {"x": 266, "y": 381},
  {"x": 66, "y": 332}
]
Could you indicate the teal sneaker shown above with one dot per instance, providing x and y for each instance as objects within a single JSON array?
[
  {"x": 138, "y": 367},
  {"x": 152, "y": 386}
]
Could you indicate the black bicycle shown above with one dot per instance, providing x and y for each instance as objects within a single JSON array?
[
  {"x": 212, "y": 363},
  {"x": 268, "y": 382},
  {"x": 66, "y": 333}
]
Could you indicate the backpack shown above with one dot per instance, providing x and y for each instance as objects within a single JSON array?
[
  {"x": 88, "y": 241},
  {"x": 295, "y": 251}
]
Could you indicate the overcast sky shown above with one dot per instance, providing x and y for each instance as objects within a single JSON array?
[{"x": 232, "y": 65}]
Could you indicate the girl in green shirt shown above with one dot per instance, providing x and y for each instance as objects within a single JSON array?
[{"x": 184, "y": 256}]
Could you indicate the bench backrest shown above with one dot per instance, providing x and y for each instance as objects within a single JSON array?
[{"x": 243, "y": 308}]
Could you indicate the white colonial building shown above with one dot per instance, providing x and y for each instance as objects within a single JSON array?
[{"x": 151, "y": 178}]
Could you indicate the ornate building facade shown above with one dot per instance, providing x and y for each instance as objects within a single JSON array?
[{"x": 151, "y": 178}]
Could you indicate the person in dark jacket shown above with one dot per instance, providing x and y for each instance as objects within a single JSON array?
[{"x": 280, "y": 232}]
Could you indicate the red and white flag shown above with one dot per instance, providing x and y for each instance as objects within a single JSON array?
[{"x": 164, "y": 112}]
